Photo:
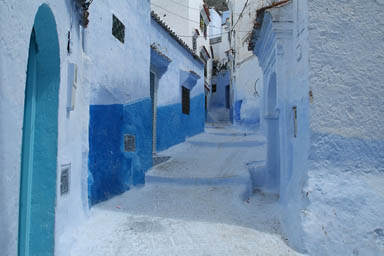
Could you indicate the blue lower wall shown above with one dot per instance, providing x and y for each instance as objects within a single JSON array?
[
  {"x": 111, "y": 170},
  {"x": 350, "y": 154},
  {"x": 174, "y": 127}
]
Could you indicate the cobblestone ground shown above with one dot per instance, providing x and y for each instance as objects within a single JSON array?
[{"x": 197, "y": 203}]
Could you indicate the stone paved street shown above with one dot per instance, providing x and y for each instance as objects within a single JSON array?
[{"x": 191, "y": 205}]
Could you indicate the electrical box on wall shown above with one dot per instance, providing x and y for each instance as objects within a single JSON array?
[{"x": 72, "y": 86}]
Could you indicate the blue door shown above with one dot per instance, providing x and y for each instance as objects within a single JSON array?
[
  {"x": 27, "y": 153},
  {"x": 39, "y": 149}
]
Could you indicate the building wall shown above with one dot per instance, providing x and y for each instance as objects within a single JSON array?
[
  {"x": 218, "y": 98},
  {"x": 183, "y": 17},
  {"x": 17, "y": 19},
  {"x": 196, "y": 6},
  {"x": 120, "y": 98},
  {"x": 215, "y": 24},
  {"x": 249, "y": 92},
  {"x": 247, "y": 106},
  {"x": 282, "y": 54},
  {"x": 176, "y": 14},
  {"x": 347, "y": 134},
  {"x": 331, "y": 172},
  {"x": 173, "y": 126}
]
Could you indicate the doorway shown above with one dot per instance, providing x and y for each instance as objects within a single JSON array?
[
  {"x": 227, "y": 97},
  {"x": 273, "y": 135},
  {"x": 40, "y": 132},
  {"x": 154, "y": 109}
]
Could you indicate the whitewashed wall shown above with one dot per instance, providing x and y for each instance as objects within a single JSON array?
[
  {"x": 176, "y": 14},
  {"x": 119, "y": 73},
  {"x": 346, "y": 162},
  {"x": 329, "y": 66},
  {"x": 16, "y": 22}
]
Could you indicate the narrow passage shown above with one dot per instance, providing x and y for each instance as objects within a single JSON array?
[{"x": 199, "y": 202}]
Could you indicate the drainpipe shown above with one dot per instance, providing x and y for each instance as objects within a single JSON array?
[{"x": 83, "y": 12}]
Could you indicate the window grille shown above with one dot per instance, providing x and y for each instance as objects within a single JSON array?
[
  {"x": 118, "y": 29},
  {"x": 129, "y": 143},
  {"x": 185, "y": 100},
  {"x": 64, "y": 179}
]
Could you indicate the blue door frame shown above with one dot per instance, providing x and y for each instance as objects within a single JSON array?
[{"x": 40, "y": 131}]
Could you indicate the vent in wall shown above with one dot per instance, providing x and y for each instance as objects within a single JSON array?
[
  {"x": 64, "y": 179},
  {"x": 129, "y": 143}
]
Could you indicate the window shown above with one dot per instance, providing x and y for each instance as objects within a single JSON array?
[
  {"x": 213, "y": 88},
  {"x": 194, "y": 43},
  {"x": 118, "y": 29},
  {"x": 203, "y": 26},
  {"x": 227, "y": 97},
  {"x": 205, "y": 71},
  {"x": 129, "y": 143},
  {"x": 201, "y": 22},
  {"x": 185, "y": 97}
]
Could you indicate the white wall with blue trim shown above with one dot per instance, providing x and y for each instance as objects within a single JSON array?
[
  {"x": 120, "y": 98},
  {"x": 346, "y": 161},
  {"x": 330, "y": 161},
  {"x": 173, "y": 126}
]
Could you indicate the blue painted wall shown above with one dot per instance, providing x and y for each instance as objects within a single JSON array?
[
  {"x": 221, "y": 81},
  {"x": 174, "y": 127},
  {"x": 113, "y": 171}
]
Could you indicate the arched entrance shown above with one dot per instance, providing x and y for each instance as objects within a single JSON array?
[
  {"x": 273, "y": 135},
  {"x": 40, "y": 131}
]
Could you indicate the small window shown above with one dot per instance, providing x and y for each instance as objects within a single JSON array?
[
  {"x": 202, "y": 23},
  {"x": 118, "y": 29},
  {"x": 185, "y": 97},
  {"x": 213, "y": 88},
  {"x": 194, "y": 43}
]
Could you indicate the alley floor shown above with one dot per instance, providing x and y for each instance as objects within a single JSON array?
[{"x": 199, "y": 203}]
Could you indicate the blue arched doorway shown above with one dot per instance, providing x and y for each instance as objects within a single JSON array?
[{"x": 40, "y": 131}]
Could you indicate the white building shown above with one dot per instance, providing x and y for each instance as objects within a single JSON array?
[
  {"x": 323, "y": 68},
  {"x": 247, "y": 89},
  {"x": 190, "y": 20}
]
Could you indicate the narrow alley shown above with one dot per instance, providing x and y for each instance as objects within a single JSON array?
[
  {"x": 191, "y": 128},
  {"x": 197, "y": 203}
]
